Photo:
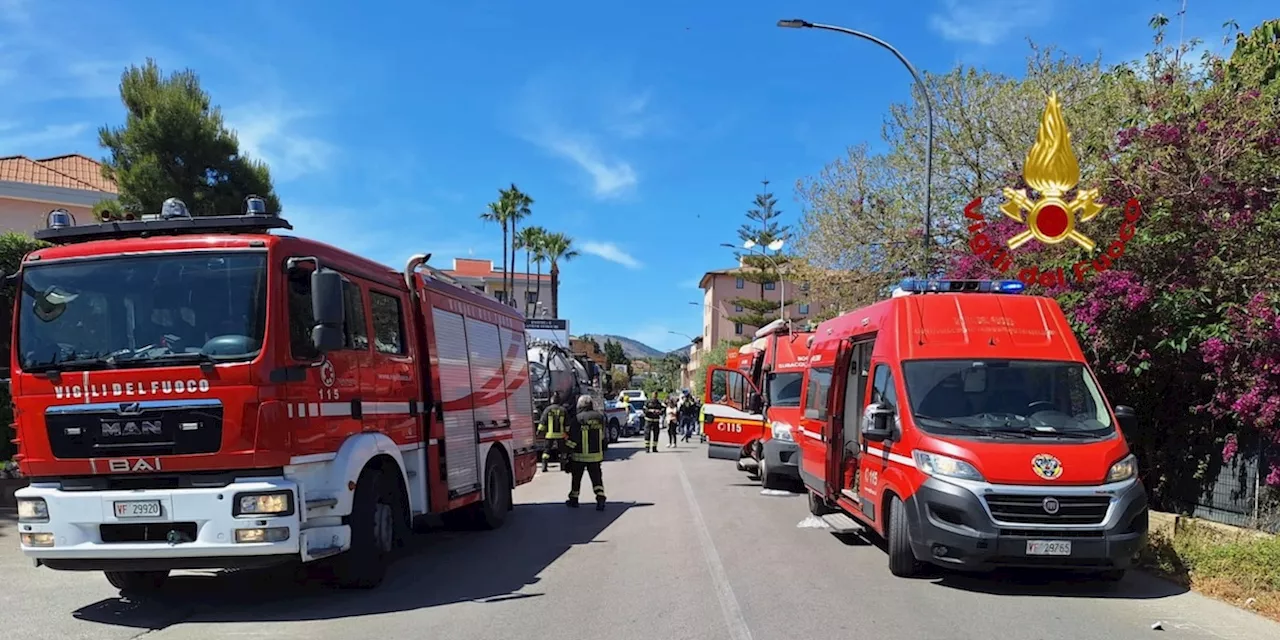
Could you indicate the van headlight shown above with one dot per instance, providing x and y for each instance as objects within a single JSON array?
[
  {"x": 781, "y": 431},
  {"x": 1126, "y": 468},
  {"x": 940, "y": 466},
  {"x": 267, "y": 503}
]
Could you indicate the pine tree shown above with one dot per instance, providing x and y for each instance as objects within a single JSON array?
[
  {"x": 763, "y": 227},
  {"x": 174, "y": 144}
]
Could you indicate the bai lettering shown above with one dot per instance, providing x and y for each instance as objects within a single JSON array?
[{"x": 133, "y": 465}]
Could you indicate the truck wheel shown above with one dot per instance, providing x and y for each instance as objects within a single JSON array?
[
  {"x": 497, "y": 493},
  {"x": 817, "y": 504},
  {"x": 373, "y": 517},
  {"x": 902, "y": 560},
  {"x": 137, "y": 582}
]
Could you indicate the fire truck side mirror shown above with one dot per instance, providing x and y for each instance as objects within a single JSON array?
[{"x": 328, "y": 310}]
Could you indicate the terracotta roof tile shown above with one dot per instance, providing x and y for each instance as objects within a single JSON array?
[
  {"x": 82, "y": 168},
  {"x": 475, "y": 268},
  {"x": 68, "y": 172}
]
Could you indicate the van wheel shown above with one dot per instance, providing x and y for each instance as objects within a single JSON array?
[
  {"x": 374, "y": 512},
  {"x": 767, "y": 480},
  {"x": 902, "y": 560},
  {"x": 137, "y": 582},
  {"x": 497, "y": 493},
  {"x": 817, "y": 504}
]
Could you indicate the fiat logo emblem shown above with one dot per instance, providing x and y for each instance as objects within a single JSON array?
[{"x": 1051, "y": 505}]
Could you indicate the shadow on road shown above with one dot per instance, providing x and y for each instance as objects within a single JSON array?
[
  {"x": 438, "y": 568},
  {"x": 1038, "y": 582}
]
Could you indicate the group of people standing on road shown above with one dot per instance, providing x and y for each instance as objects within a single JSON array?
[
  {"x": 576, "y": 438},
  {"x": 678, "y": 414}
]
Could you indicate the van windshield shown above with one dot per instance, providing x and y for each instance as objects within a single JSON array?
[
  {"x": 1022, "y": 397},
  {"x": 785, "y": 388}
]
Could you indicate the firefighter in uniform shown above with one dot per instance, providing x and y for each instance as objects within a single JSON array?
[
  {"x": 585, "y": 444},
  {"x": 554, "y": 419},
  {"x": 652, "y": 423}
]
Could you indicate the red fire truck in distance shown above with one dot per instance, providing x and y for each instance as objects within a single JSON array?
[
  {"x": 202, "y": 393},
  {"x": 962, "y": 424},
  {"x": 775, "y": 362}
]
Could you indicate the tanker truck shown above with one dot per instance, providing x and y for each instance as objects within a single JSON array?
[{"x": 554, "y": 368}]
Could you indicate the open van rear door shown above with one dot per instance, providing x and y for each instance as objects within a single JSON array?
[{"x": 734, "y": 412}]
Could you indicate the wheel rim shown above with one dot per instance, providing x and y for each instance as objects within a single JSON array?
[{"x": 383, "y": 526}]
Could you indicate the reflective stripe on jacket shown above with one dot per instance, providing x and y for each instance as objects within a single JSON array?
[
  {"x": 553, "y": 422},
  {"x": 586, "y": 437}
]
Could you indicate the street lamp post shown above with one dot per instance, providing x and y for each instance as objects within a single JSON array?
[
  {"x": 776, "y": 245},
  {"x": 928, "y": 105}
]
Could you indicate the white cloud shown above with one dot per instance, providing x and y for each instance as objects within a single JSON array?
[
  {"x": 610, "y": 177},
  {"x": 270, "y": 135},
  {"x": 987, "y": 22},
  {"x": 602, "y": 118},
  {"x": 610, "y": 251},
  {"x": 16, "y": 140}
]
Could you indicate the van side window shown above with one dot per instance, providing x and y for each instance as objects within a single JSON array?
[
  {"x": 815, "y": 395},
  {"x": 300, "y": 319},
  {"x": 883, "y": 390},
  {"x": 357, "y": 327},
  {"x": 388, "y": 323}
]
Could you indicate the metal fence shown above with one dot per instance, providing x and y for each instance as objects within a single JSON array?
[{"x": 1238, "y": 495}]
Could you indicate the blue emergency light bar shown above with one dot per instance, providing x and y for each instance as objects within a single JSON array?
[{"x": 923, "y": 285}]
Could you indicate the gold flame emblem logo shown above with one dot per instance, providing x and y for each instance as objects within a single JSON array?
[{"x": 1052, "y": 171}]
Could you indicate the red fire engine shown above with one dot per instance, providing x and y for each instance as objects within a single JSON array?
[
  {"x": 202, "y": 393},
  {"x": 963, "y": 425},
  {"x": 775, "y": 362}
]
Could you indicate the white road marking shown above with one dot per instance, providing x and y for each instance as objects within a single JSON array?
[
  {"x": 776, "y": 492},
  {"x": 733, "y": 619}
]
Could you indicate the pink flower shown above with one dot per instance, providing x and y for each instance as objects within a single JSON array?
[{"x": 1229, "y": 448}]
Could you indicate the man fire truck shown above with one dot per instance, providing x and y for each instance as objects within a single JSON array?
[
  {"x": 774, "y": 362},
  {"x": 201, "y": 393}
]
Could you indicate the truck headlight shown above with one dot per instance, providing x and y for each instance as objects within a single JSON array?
[
  {"x": 32, "y": 510},
  {"x": 941, "y": 466},
  {"x": 781, "y": 431},
  {"x": 272, "y": 503},
  {"x": 1126, "y": 468}
]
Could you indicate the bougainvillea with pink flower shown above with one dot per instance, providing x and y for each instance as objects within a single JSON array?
[{"x": 1186, "y": 326}]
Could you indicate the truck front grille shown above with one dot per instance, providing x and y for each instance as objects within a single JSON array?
[{"x": 1032, "y": 509}]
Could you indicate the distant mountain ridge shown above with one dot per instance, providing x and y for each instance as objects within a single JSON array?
[{"x": 633, "y": 349}]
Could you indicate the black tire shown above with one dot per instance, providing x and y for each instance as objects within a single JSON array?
[
  {"x": 902, "y": 560},
  {"x": 767, "y": 480},
  {"x": 373, "y": 520},
  {"x": 137, "y": 582},
  {"x": 497, "y": 493},
  {"x": 817, "y": 504}
]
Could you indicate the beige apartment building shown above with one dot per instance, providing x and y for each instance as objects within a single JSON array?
[
  {"x": 721, "y": 288},
  {"x": 483, "y": 277},
  {"x": 30, "y": 189}
]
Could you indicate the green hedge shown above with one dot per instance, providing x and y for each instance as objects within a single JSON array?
[{"x": 13, "y": 247}]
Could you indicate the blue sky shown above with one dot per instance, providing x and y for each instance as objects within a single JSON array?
[{"x": 642, "y": 129}]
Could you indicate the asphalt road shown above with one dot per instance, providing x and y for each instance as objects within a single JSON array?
[{"x": 688, "y": 549}]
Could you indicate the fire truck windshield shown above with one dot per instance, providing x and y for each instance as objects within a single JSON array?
[
  {"x": 141, "y": 310},
  {"x": 785, "y": 388},
  {"x": 1016, "y": 398}
]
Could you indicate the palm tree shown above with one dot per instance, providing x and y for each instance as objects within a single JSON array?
[
  {"x": 497, "y": 212},
  {"x": 518, "y": 207},
  {"x": 539, "y": 257},
  {"x": 527, "y": 239},
  {"x": 558, "y": 248}
]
